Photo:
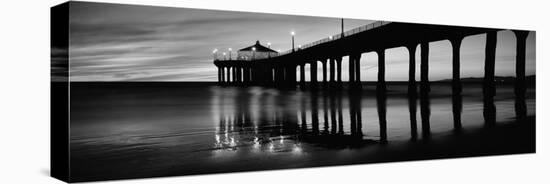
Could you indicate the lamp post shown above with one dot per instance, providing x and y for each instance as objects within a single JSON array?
[
  {"x": 292, "y": 33},
  {"x": 230, "y": 53},
  {"x": 214, "y": 53},
  {"x": 224, "y": 56}
]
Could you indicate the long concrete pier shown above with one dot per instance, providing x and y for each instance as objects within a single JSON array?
[{"x": 280, "y": 71}]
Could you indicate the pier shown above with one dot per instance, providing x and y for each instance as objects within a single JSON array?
[{"x": 280, "y": 70}]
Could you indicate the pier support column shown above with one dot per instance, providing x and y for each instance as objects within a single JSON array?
[
  {"x": 357, "y": 59},
  {"x": 291, "y": 75},
  {"x": 457, "y": 85},
  {"x": 324, "y": 62},
  {"x": 227, "y": 75},
  {"x": 219, "y": 75},
  {"x": 521, "y": 39},
  {"x": 251, "y": 74},
  {"x": 235, "y": 75},
  {"x": 302, "y": 74},
  {"x": 265, "y": 75},
  {"x": 455, "y": 43},
  {"x": 239, "y": 74},
  {"x": 381, "y": 94},
  {"x": 519, "y": 89},
  {"x": 313, "y": 72},
  {"x": 332, "y": 63},
  {"x": 412, "y": 93},
  {"x": 339, "y": 70},
  {"x": 381, "y": 68},
  {"x": 489, "y": 110},
  {"x": 424, "y": 67},
  {"x": 351, "y": 71},
  {"x": 246, "y": 75},
  {"x": 254, "y": 77},
  {"x": 279, "y": 75},
  {"x": 424, "y": 90},
  {"x": 259, "y": 74},
  {"x": 490, "y": 50},
  {"x": 412, "y": 67}
]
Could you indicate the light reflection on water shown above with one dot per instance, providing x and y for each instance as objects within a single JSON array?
[
  {"x": 157, "y": 130},
  {"x": 281, "y": 121}
]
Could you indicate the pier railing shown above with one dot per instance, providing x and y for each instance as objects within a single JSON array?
[
  {"x": 339, "y": 36},
  {"x": 321, "y": 41}
]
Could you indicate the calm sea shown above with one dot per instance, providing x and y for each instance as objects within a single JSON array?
[{"x": 129, "y": 130}]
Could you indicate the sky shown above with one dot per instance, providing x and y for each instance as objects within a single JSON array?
[{"x": 114, "y": 42}]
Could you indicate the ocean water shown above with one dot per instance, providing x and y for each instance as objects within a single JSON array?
[{"x": 130, "y": 130}]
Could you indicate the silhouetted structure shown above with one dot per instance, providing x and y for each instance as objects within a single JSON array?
[
  {"x": 256, "y": 51},
  {"x": 281, "y": 71}
]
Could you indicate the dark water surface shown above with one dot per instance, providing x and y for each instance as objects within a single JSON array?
[{"x": 130, "y": 130}]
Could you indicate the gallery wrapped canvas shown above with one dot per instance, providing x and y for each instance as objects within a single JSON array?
[{"x": 145, "y": 91}]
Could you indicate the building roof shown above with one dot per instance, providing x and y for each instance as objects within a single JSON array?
[{"x": 259, "y": 48}]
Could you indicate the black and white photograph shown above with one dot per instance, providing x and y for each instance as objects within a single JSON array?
[
  {"x": 159, "y": 91},
  {"x": 274, "y": 92}
]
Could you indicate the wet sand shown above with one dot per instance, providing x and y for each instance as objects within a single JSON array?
[{"x": 131, "y": 130}]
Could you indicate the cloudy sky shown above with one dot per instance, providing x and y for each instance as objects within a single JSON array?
[{"x": 110, "y": 42}]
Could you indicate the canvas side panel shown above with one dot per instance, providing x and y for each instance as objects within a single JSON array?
[{"x": 59, "y": 109}]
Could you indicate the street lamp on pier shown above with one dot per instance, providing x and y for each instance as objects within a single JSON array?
[
  {"x": 230, "y": 53},
  {"x": 214, "y": 53},
  {"x": 292, "y": 33}
]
